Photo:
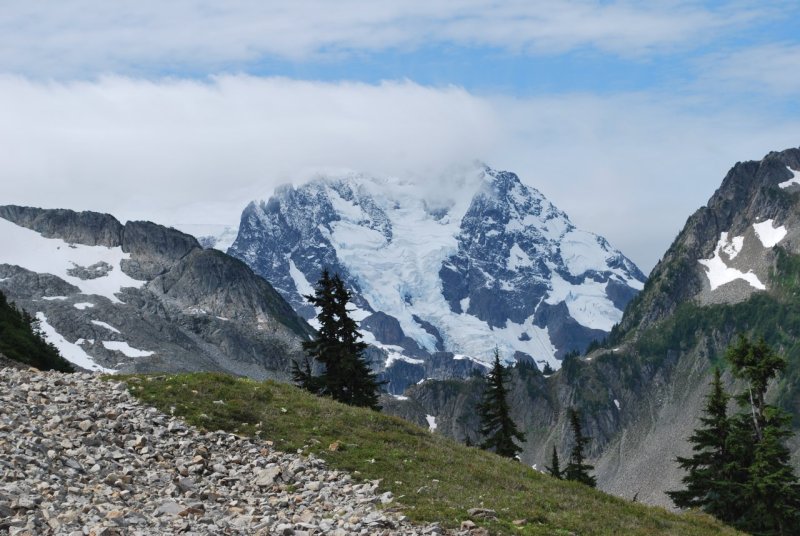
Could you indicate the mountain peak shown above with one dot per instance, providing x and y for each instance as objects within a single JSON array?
[{"x": 475, "y": 260}]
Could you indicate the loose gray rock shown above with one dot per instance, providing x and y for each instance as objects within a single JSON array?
[{"x": 107, "y": 465}]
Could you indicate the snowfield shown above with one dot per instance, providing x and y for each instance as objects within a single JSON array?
[
  {"x": 28, "y": 249},
  {"x": 719, "y": 273},
  {"x": 72, "y": 352}
]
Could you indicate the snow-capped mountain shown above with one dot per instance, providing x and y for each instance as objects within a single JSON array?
[{"x": 490, "y": 262}]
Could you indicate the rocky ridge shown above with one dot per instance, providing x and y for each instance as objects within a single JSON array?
[
  {"x": 80, "y": 456},
  {"x": 139, "y": 297}
]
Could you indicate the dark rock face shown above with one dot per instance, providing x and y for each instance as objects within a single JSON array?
[
  {"x": 400, "y": 375},
  {"x": 277, "y": 230},
  {"x": 387, "y": 330},
  {"x": 154, "y": 248},
  {"x": 196, "y": 309},
  {"x": 89, "y": 228},
  {"x": 565, "y": 332}
]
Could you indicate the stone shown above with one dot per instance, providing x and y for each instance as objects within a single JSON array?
[
  {"x": 85, "y": 425},
  {"x": 468, "y": 525},
  {"x": 266, "y": 477},
  {"x": 171, "y": 508},
  {"x": 284, "y": 529},
  {"x": 482, "y": 513}
]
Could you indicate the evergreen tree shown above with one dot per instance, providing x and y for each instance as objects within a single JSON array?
[
  {"x": 757, "y": 364},
  {"x": 709, "y": 482},
  {"x": 577, "y": 469},
  {"x": 741, "y": 471},
  {"x": 771, "y": 491},
  {"x": 338, "y": 347},
  {"x": 555, "y": 469},
  {"x": 768, "y": 491},
  {"x": 303, "y": 376},
  {"x": 496, "y": 424}
]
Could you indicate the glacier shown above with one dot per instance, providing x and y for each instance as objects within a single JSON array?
[{"x": 488, "y": 263}]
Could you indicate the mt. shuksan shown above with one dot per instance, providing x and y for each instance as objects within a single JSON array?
[{"x": 491, "y": 262}]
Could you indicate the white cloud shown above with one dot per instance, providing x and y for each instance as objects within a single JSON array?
[
  {"x": 772, "y": 69},
  {"x": 83, "y": 38},
  {"x": 632, "y": 167}
]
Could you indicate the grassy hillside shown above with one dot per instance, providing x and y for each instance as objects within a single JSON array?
[{"x": 431, "y": 477}]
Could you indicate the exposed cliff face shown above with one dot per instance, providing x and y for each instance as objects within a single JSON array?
[
  {"x": 755, "y": 201},
  {"x": 142, "y": 297},
  {"x": 735, "y": 267}
]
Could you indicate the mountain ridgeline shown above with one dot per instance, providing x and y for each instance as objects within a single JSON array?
[
  {"x": 439, "y": 280},
  {"x": 140, "y": 297},
  {"x": 734, "y": 268}
]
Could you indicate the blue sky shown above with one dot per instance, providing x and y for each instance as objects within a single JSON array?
[{"x": 626, "y": 114}]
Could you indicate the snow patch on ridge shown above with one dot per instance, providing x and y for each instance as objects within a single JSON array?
[
  {"x": 397, "y": 356},
  {"x": 734, "y": 247},
  {"x": 28, "y": 249},
  {"x": 68, "y": 350},
  {"x": 431, "y": 423},
  {"x": 587, "y": 303},
  {"x": 769, "y": 235},
  {"x": 517, "y": 258},
  {"x": 300, "y": 282},
  {"x": 719, "y": 273},
  {"x": 794, "y": 180},
  {"x": 109, "y": 327},
  {"x": 582, "y": 252},
  {"x": 126, "y": 349}
]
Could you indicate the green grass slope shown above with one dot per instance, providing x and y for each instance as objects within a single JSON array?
[{"x": 431, "y": 477}]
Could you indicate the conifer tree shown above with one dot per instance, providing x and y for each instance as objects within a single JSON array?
[
  {"x": 577, "y": 469},
  {"x": 710, "y": 480},
  {"x": 497, "y": 426},
  {"x": 555, "y": 469},
  {"x": 757, "y": 364},
  {"x": 768, "y": 491},
  {"x": 741, "y": 471},
  {"x": 338, "y": 347},
  {"x": 771, "y": 491}
]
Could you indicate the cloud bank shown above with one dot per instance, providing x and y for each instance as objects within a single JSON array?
[
  {"x": 630, "y": 167},
  {"x": 123, "y": 36}
]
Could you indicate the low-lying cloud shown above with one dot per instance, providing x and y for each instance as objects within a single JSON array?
[{"x": 629, "y": 167}]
